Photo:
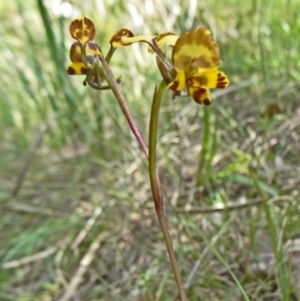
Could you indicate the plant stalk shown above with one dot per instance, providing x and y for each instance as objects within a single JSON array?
[
  {"x": 156, "y": 188},
  {"x": 122, "y": 102}
]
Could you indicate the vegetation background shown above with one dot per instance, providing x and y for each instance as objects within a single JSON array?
[{"x": 77, "y": 218}]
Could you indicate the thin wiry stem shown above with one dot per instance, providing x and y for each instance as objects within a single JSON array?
[
  {"x": 155, "y": 186},
  {"x": 122, "y": 102}
]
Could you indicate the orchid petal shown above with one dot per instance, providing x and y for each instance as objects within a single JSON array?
[
  {"x": 82, "y": 30},
  {"x": 196, "y": 50}
]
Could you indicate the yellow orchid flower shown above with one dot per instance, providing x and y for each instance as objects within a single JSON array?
[
  {"x": 196, "y": 59},
  {"x": 85, "y": 54},
  {"x": 83, "y": 30}
]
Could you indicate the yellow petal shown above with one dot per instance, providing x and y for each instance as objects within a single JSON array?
[
  {"x": 194, "y": 50},
  {"x": 179, "y": 82},
  {"x": 164, "y": 39},
  {"x": 77, "y": 69},
  {"x": 199, "y": 93},
  {"x": 211, "y": 78},
  {"x": 82, "y": 30}
]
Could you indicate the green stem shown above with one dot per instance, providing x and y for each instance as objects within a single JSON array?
[{"x": 155, "y": 185}]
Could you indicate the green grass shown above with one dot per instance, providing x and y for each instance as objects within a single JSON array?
[{"x": 211, "y": 160}]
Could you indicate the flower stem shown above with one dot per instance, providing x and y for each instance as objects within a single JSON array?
[
  {"x": 151, "y": 156},
  {"x": 122, "y": 102},
  {"x": 156, "y": 188}
]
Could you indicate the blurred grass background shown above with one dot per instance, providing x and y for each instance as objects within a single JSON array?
[{"x": 73, "y": 182}]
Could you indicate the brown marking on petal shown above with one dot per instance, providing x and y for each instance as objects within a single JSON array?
[
  {"x": 222, "y": 80},
  {"x": 221, "y": 86},
  {"x": 174, "y": 85},
  {"x": 116, "y": 40},
  {"x": 84, "y": 70},
  {"x": 200, "y": 94},
  {"x": 82, "y": 30},
  {"x": 197, "y": 97},
  {"x": 75, "y": 29},
  {"x": 71, "y": 71},
  {"x": 206, "y": 101}
]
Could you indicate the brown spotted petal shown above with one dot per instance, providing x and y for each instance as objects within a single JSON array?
[
  {"x": 197, "y": 91},
  {"x": 196, "y": 50},
  {"x": 77, "y": 69},
  {"x": 212, "y": 78},
  {"x": 82, "y": 30},
  {"x": 116, "y": 40}
]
